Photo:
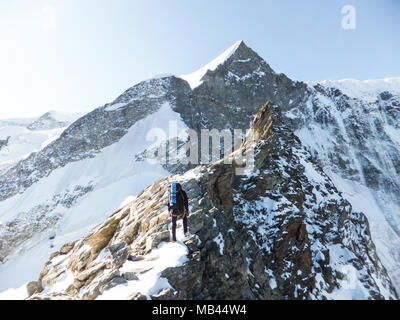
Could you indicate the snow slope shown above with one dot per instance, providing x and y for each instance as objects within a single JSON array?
[
  {"x": 366, "y": 90},
  {"x": 195, "y": 79},
  {"x": 110, "y": 182},
  {"x": 353, "y": 138},
  {"x": 23, "y": 141}
]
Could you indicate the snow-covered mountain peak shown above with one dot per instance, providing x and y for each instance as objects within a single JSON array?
[
  {"x": 196, "y": 78},
  {"x": 53, "y": 119},
  {"x": 153, "y": 88},
  {"x": 283, "y": 231},
  {"x": 59, "y": 192}
]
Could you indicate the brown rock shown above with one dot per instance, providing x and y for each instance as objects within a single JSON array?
[
  {"x": 33, "y": 287},
  {"x": 137, "y": 296},
  {"x": 165, "y": 294}
]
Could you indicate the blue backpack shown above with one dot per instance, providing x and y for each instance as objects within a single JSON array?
[{"x": 176, "y": 199}]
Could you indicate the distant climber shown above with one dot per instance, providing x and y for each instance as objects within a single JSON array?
[{"x": 178, "y": 207}]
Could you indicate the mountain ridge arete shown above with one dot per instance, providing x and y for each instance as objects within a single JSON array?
[{"x": 350, "y": 131}]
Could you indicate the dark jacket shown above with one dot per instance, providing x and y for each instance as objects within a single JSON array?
[{"x": 185, "y": 202}]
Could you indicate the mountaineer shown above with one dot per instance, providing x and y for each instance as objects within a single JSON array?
[{"x": 178, "y": 207}]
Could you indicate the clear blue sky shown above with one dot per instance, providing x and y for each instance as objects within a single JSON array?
[{"x": 75, "y": 55}]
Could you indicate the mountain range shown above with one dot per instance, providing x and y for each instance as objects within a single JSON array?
[{"x": 316, "y": 217}]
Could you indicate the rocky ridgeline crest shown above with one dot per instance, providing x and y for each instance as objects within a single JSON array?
[
  {"x": 285, "y": 248},
  {"x": 349, "y": 137}
]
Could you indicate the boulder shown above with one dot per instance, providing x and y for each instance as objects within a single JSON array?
[
  {"x": 196, "y": 221},
  {"x": 115, "y": 282},
  {"x": 186, "y": 276},
  {"x": 33, "y": 287},
  {"x": 66, "y": 248},
  {"x": 135, "y": 257},
  {"x": 129, "y": 276},
  {"x": 54, "y": 296},
  {"x": 119, "y": 254},
  {"x": 154, "y": 240}
]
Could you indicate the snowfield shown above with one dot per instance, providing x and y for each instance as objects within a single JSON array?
[
  {"x": 23, "y": 141},
  {"x": 366, "y": 90},
  {"x": 111, "y": 183}
]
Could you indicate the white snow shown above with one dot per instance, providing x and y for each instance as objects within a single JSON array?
[
  {"x": 195, "y": 79},
  {"x": 63, "y": 116},
  {"x": 22, "y": 122},
  {"x": 351, "y": 288},
  {"x": 221, "y": 243},
  {"x": 167, "y": 255},
  {"x": 20, "y": 293},
  {"x": 311, "y": 173},
  {"x": 116, "y": 106},
  {"x": 379, "y": 208},
  {"x": 393, "y": 134},
  {"x": 127, "y": 201},
  {"x": 366, "y": 90},
  {"x": 192, "y": 174},
  {"x": 84, "y": 248},
  {"x": 61, "y": 285},
  {"x": 23, "y": 142},
  {"x": 272, "y": 283},
  {"x": 385, "y": 238},
  {"x": 114, "y": 176}
]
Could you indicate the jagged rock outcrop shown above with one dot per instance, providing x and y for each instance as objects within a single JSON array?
[
  {"x": 355, "y": 140},
  {"x": 87, "y": 136},
  {"x": 281, "y": 231},
  {"x": 248, "y": 81}
]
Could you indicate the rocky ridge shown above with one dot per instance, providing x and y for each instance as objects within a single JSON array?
[
  {"x": 282, "y": 231},
  {"x": 352, "y": 139}
]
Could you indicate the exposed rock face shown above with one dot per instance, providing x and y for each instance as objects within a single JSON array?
[
  {"x": 84, "y": 139},
  {"x": 282, "y": 231},
  {"x": 88, "y": 135},
  {"x": 228, "y": 99},
  {"x": 230, "y": 96},
  {"x": 354, "y": 140},
  {"x": 35, "y": 224}
]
